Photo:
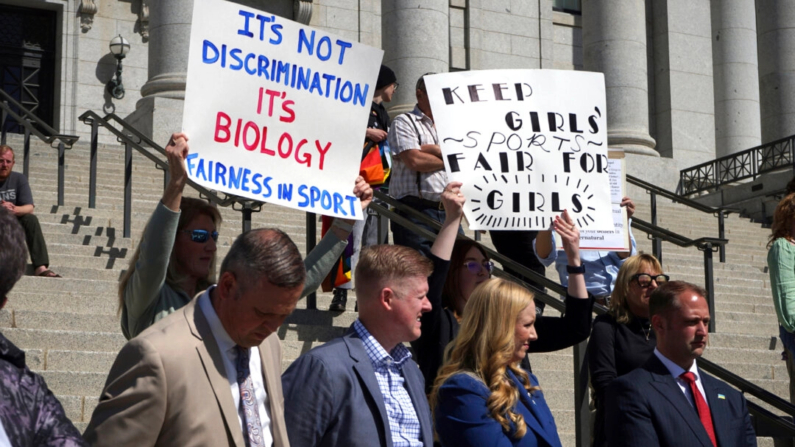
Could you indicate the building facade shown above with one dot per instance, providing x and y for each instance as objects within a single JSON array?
[{"x": 687, "y": 80}]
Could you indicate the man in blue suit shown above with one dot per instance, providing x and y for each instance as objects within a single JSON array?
[
  {"x": 363, "y": 389},
  {"x": 669, "y": 401}
]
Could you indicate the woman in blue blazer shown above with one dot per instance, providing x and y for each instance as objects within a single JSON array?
[{"x": 482, "y": 397}]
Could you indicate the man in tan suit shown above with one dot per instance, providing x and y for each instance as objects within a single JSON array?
[{"x": 193, "y": 379}]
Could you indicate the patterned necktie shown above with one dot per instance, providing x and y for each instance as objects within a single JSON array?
[
  {"x": 701, "y": 406},
  {"x": 252, "y": 428}
]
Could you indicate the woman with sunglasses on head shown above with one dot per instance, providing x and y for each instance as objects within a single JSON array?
[
  {"x": 459, "y": 266},
  {"x": 175, "y": 258},
  {"x": 622, "y": 339}
]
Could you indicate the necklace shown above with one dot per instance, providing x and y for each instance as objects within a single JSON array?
[{"x": 646, "y": 330}]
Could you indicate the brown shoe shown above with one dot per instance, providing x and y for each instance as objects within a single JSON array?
[{"x": 49, "y": 274}]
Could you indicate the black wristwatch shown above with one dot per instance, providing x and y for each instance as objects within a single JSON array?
[{"x": 573, "y": 270}]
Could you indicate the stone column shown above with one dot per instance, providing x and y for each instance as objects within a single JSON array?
[
  {"x": 737, "y": 125},
  {"x": 169, "y": 40},
  {"x": 776, "y": 46},
  {"x": 416, "y": 40},
  {"x": 614, "y": 43}
]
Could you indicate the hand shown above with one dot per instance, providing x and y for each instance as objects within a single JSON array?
[
  {"x": 8, "y": 205},
  {"x": 363, "y": 191},
  {"x": 177, "y": 152},
  {"x": 569, "y": 236},
  {"x": 377, "y": 135},
  {"x": 432, "y": 149},
  {"x": 627, "y": 202},
  {"x": 453, "y": 200}
]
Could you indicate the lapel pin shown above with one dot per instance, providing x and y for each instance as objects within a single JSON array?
[{"x": 721, "y": 396}]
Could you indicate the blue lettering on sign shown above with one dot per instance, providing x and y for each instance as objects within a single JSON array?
[
  {"x": 302, "y": 193},
  {"x": 244, "y": 184},
  {"x": 220, "y": 173},
  {"x": 235, "y": 177},
  {"x": 343, "y": 46},
  {"x": 304, "y": 41},
  {"x": 189, "y": 161},
  {"x": 235, "y": 54},
  {"x": 338, "y": 204},
  {"x": 277, "y": 30},
  {"x": 324, "y": 40},
  {"x": 209, "y": 46},
  {"x": 266, "y": 184},
  {"x": 245, "y": 31},
  {"x": 257, "y": 187}
]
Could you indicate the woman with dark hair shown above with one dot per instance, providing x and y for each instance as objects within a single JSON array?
[
  {"x": 175, "y": 258},
  {"x": 781, "y": 264},
  {"x": 459, "y": 266},
  {"x": 622, "y": 339}
]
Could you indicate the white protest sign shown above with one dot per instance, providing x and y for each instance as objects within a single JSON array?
[
  {"x": 526, "y": 144},
  {"x": 276, "y": 111},
  {"x": 615, "y": 239}
]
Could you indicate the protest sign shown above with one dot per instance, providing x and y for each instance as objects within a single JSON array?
[
  {"x": 526, "y": 144},
  {"x": 276, "y": 111},
  {"x": 616, "y": 239}
]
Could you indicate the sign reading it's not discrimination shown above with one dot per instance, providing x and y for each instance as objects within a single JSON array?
[
  {"x": 276, "y": 111},
  {"x": 527, "y": 144}
]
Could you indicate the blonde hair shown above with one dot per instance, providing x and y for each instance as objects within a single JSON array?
[
  {"x": 190, "y": 208},
  {"x": 782, "y": 220},
  {"x": 619, "y": 303},
  {"x": 485, "y": 346}
]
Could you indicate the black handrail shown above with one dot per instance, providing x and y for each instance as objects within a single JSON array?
[
  {"x": 133, "y": 139},
  {"x": 720, "y": 212},
  {"x": 49, "y": 135},
  {"x": 749, "y": 163}
]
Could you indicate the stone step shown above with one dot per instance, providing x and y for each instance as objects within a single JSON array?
[
  {"x": 65, "y": 340},
  {"x": 27, "y": 319},
  {"x": 72, "y": 302}
]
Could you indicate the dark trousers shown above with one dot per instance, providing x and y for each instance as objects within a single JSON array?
[
  {"x": 408, "y": 238},
  {"x": 518, "y": 246},
  {"x": 35, "y": 240}
]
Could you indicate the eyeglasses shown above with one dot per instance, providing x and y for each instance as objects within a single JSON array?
[
  {"x": 474, "y": 267},
  {"x": 201, "y": 236},
  {"x": 644, "y": 279},
  {"x": 397, "y": 84}
]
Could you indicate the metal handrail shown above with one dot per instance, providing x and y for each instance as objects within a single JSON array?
[
  {"x": 49, "y": 135},
  {"x": 720, "y": 212},
  {"x": 705, "y": 244},
  {"x": 738, "y": 166},
  {"x": 133, "y": 139}
]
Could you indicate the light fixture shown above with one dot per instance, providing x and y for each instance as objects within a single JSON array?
[{"x": 119, "y": 47}]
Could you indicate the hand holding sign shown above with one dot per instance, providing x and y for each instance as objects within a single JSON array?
[
  {"x": 177, "y": 153},
  {"x": 569, "y": 235},
  {"x": 453, "y": 201}
]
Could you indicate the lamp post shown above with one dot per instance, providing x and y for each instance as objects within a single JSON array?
[{"x": 119, "y": 47}]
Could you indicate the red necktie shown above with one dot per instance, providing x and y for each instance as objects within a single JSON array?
[{"x": 701, "y": 406}]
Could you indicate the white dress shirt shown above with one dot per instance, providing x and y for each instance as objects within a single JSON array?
[
  {"x": 4, "y": 442},
  {"x": 677, "y": 371},
  {"x": 227, "y": 347}
]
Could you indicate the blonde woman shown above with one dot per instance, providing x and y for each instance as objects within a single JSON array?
[
  {"x": 482, "y": 396},
  {"x": 622, "y": 339},
  {"x": 781, "y": 264}
]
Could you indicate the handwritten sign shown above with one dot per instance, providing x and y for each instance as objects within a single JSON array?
[
  {"x": 526, "y": 144},
  {"x": 276, "y": 111},
  {"x": 616, "y": 239}
]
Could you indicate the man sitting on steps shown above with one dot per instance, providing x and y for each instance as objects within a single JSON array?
[{"x": 15, "y": 196}]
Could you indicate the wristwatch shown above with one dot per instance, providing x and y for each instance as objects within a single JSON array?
[{"x": 574, "y": 270}]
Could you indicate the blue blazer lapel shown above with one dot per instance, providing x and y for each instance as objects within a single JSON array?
[
  {"x": 364, "y": 369},
  {"x": 537, "y": 417},
  {"x": 717, "y": 407},
  {"x": 420, "y": 401},
  {"x": 664, "y": 383}
]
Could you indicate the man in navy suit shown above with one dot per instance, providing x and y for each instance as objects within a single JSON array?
[
  {"x": 363, "y": 389},
  {"x": 669, "y": 401}
]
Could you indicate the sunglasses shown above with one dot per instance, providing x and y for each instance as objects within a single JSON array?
[
  {"x": 474, "y": 267},
  {"x": 644, "y": 279},
  {"x": 201, "y": 236}
]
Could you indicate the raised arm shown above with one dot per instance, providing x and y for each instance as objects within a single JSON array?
[
  {"x": 570, "y": 238},
  {"x": 322, "y": 258},
  {"x": 159, "y": 235}
]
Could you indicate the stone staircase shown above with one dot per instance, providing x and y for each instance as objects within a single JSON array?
[{"x": 70, "y": 330}]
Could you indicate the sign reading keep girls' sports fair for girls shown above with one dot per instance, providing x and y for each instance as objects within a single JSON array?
[
  {"x": 276, "y": 111},
  {"x": 527, "y": 144}
]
